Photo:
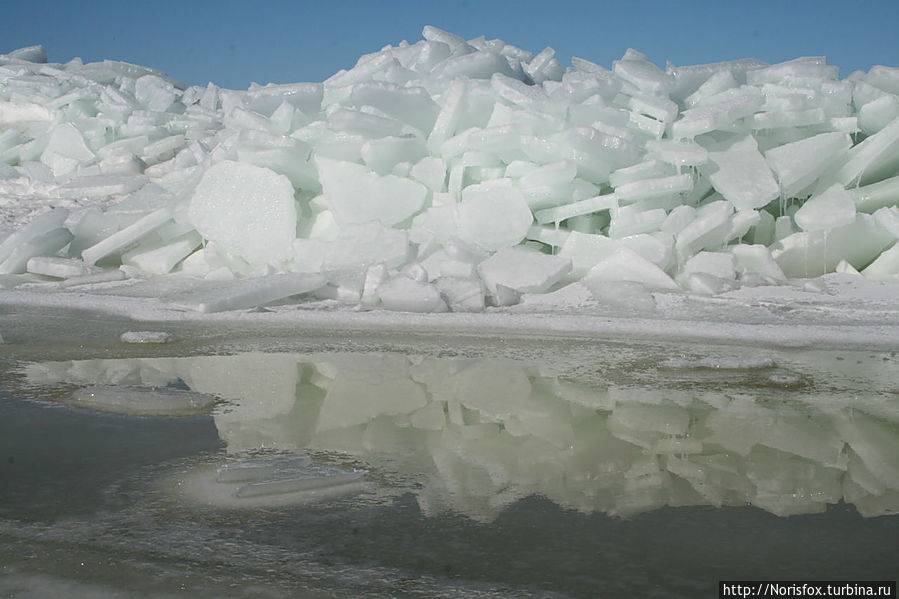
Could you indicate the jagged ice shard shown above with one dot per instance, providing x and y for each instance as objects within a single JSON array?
[{"x": 503, "y": 174}]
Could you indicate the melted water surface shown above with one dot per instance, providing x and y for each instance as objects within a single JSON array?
[{"x": 347, "y": 465}]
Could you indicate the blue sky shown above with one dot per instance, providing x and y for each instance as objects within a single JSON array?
[{"x": 235, "y": 42}]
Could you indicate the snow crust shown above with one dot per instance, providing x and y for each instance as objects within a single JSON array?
[{"x": 449, "y": 175}]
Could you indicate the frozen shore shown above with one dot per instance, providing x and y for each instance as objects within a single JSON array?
[{"x": 835, "y": 310}]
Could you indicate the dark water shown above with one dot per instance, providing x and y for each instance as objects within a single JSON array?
[{"x": 472, "y": 467}]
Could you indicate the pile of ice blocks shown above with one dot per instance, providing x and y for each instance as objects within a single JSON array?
[{"x": 452, "y": 175}]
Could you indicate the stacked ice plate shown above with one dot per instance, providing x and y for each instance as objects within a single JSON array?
[{"x": 450, "y": 175}]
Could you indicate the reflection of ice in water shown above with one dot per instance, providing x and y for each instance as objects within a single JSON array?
[{"x": 488, "y": 432}]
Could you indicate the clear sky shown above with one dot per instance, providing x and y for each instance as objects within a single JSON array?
[{"x": 234, "y": 42}]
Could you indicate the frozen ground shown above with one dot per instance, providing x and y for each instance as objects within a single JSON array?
[{"x": 837, "y": 310}]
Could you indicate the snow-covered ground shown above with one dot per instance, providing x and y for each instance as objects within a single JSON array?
[{"x": 836, "y": 310}]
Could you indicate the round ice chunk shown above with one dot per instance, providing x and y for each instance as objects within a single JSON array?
[
  {"x": 493, "y": 216},
  {"x": 407, "y": 295},
  {"x": 248, "y": 210}
]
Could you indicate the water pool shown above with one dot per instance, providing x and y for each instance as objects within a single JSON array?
[{"x": 261, "y": 463}]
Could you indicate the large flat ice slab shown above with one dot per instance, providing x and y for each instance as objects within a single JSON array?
[
  {"x": 248, "y": 210},
  {"x": 249, "y": 293}
]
